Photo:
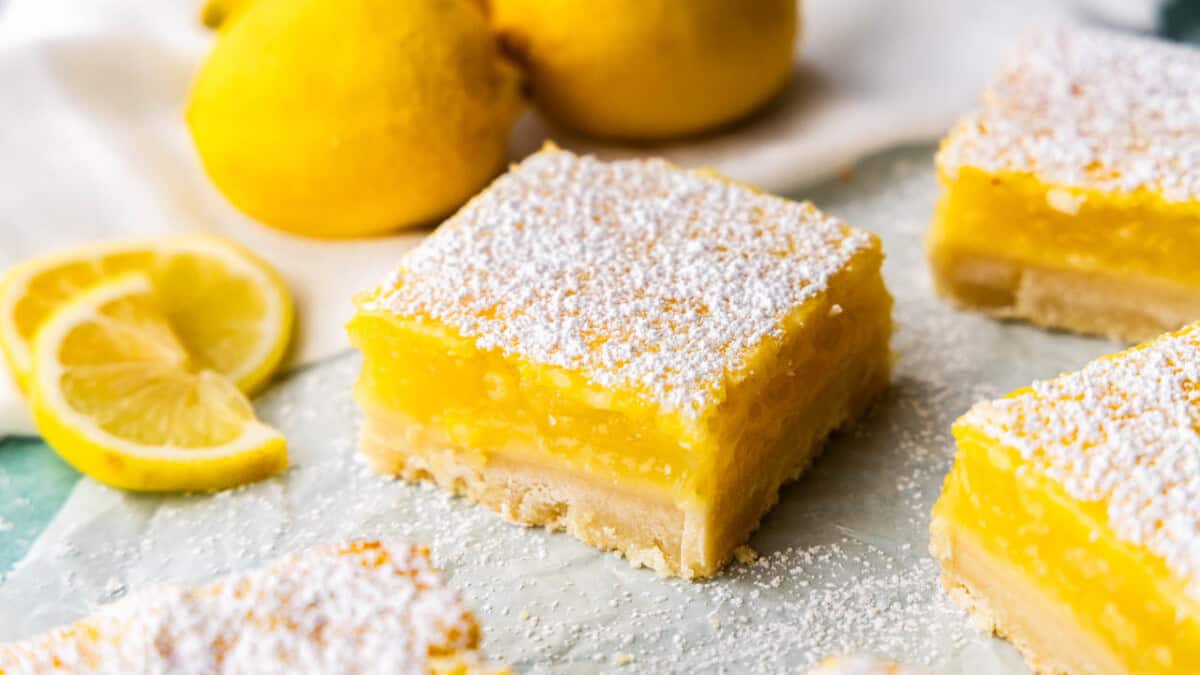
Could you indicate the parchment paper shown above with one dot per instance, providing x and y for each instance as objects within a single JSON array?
[{"x": 844, "y": 564}]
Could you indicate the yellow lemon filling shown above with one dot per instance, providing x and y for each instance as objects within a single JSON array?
[{"x": 1016, "y": 218}]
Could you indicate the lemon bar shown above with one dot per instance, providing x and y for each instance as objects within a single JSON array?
[
  {"x": 634, "y": 353},
  {"x": 1070, "y": 522},
  {"x": 1071, "y": 199},
  {"x": 361, "y": 607}
]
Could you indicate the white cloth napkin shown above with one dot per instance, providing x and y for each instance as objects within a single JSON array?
[{"x": 92, "y": 143}]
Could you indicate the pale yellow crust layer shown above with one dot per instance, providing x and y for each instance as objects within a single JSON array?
[
  {"x": 1003, "y": 602},
  {"x": 648, "y": 529},
  {"x": 1116, "y": 306}
]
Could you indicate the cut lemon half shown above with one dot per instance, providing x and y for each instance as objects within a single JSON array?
[
  {"x": 116, "y": 393},
  {"x": 231, "y": 311}
]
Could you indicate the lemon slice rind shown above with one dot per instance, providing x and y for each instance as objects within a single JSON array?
[
  {"x": 257, "y": 452},
  {"x": 255, "y": 369}
]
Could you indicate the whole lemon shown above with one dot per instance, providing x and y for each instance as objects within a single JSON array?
[
  {"x": 216, "y": 13},
  {"x": 650, "y": 69},
  {"x": 340, "y": 118}
]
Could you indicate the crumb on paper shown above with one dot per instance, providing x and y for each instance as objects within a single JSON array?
[{"x": 744, "y": 554}]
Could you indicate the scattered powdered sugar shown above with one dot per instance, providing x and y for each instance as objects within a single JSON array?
[
  {"x": 634, "y": 273},
  {"x": 364, "y": 607},
  {"x": 1122, "y": 431},
  {"x": 1090, "y": 109}
]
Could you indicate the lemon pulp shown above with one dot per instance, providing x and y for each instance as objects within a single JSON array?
[{"x": 116, "y": 393}]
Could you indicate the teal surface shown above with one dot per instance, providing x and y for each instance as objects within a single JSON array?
[
  {"x": 1181, "y": 20},
  {"x": 34, "y": 483}
]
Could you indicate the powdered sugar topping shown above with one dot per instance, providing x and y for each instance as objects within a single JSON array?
[
  {"x": 1090, "y": 109},
  {"x": 361, "y": 608},
  {"x": 634, "y": 273},
  {"x": 1122, "y": 431}
]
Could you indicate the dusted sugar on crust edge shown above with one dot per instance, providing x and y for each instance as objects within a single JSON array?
[
  {"x": 1089, "y": 109},
  {"x": 635, "y": 273},
  {"x": 362, "y": 607},
  {"x": 1123, "y": 432}
]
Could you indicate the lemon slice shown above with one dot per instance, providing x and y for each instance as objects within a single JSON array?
[
  {"x": 231, "y": 311},
  {"x": 115, "y": 392}
]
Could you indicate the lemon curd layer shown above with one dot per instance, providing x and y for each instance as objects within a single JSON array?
[
  {"x": 1070, "y": 522},
  {"x": 635, "y": 353},
  {"x": 1072, "y": 197}
]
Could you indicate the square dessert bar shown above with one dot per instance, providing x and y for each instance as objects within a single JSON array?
[
  {"x": 1072, "y": 197},
  {"x": 1070, "y": 522},
  {"x": 637, "y": 354}
]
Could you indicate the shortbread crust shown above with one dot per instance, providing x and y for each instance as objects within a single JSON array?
[{"x": 1095, "y": 302}]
